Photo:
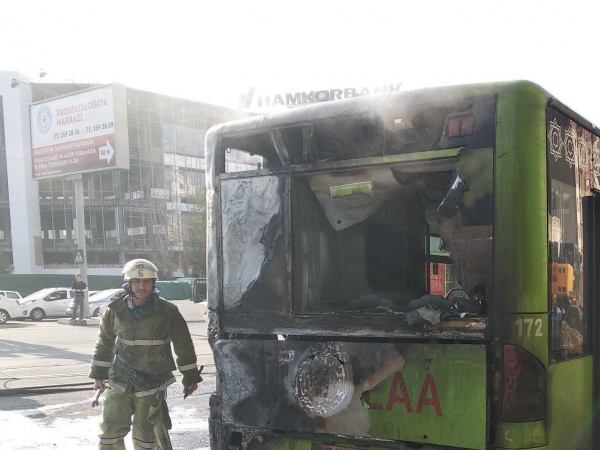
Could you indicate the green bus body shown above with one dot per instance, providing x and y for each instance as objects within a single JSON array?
[{"x": 315, "y": 257}]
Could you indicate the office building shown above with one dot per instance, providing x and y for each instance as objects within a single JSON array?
[{"x": 153, "y": 210}]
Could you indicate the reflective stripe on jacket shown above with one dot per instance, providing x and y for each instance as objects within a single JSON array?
[{"x": 144, "y": 345}]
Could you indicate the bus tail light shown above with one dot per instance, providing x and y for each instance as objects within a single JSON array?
[{"x": 523, "y": 386}]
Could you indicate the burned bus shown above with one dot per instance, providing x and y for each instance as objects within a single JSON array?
[{"x": 328, "y": 228}]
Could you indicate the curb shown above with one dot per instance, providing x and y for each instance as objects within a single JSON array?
[
  {"x": 48, "y": 389},
  {"x": 69, "y": 387},
  {"x": 92, "y": 321}
]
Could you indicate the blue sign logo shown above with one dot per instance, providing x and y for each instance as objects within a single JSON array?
[{"x": 44, "y": 119}]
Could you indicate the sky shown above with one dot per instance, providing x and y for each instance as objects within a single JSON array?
[{"x": 214, "y": 51}]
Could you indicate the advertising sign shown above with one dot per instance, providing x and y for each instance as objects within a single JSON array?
[
  {"x": 291, "y": 99},
  {"x": 81, "y": 132}
]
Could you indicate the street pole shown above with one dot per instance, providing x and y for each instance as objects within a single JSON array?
[{"x": 78, "y": 186}]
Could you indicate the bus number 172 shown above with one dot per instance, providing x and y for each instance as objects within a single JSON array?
[{"x": 528, "y": 324}]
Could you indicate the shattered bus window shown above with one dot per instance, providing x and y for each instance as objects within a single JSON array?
[
  {"x": 362, "y": 238},
  {"x": 353, "y": 215},
  {"x": 252, "y": 243},
  {"x": 240, "y": 161}
]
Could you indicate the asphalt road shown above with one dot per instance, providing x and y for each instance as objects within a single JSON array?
[
  {"x": 46, "y": 396},
  {"x": 66, "y": 420},
  {"x": 49, "y": 353}
]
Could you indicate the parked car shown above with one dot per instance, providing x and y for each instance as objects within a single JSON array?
[
  {"x": 10, "y": 308},
  {"x": 97, "y": 300},
  {"x": 11, "y": 294},
  {"x": 49, "y": 302}
]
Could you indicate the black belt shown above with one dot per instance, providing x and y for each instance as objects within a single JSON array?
[{"x": 134, "y": 376}]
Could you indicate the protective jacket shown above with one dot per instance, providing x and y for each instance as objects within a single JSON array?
[{"x": 135, "y": 355}]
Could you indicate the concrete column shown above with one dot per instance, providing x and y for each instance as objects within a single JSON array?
[{"x": 23, "y": 191}]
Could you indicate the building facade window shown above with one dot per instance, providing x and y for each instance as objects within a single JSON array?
[{"x": 148, "y": 210}]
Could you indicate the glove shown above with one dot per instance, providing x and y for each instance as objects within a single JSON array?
[
  {"x": 100, "y": 384},
  {"x": 188, "y": 390}
]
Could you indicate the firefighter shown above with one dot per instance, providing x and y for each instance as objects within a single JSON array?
[{"x": 133, "y": 352}]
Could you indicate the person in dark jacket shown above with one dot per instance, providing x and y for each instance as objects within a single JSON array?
[
  {"x": 133, "y": 352},
  {"x": 79, "y": 287}
]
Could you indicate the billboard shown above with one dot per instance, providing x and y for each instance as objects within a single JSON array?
[{"x": 81, "y": 132}]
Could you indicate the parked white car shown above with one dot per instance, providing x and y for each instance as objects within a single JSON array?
[
  {"x": 11, "y": 294},
  {"x": 9, "y": 308},
  {"x": 49, "y": 302},
  {"x": 97, "y": 300},
  {"x": 69, "y": 311}
]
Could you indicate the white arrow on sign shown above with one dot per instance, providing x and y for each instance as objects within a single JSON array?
[{"x": 106, "y": 152}]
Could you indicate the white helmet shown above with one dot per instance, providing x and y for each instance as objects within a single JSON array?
[{"x": 140, "y": 268}]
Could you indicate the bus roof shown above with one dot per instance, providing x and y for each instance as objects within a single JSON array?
[{"x": 361, "y": 105}]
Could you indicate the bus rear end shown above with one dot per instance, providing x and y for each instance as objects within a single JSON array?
[{"x": 329, "y": 330}]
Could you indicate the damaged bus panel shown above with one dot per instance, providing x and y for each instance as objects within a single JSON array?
[
  {"x": 369, "y": 262},
  {"x": 357, "y": 230}
]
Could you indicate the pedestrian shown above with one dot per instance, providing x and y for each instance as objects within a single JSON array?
[
  {"x": 79, "y": 287},
  {"x": 133, "y": 352}
]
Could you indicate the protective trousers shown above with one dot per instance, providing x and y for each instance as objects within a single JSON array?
[{"x": 151, "y": 421}]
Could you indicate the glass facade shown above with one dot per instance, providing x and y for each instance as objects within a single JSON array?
[{"x": 153, "y": 210}]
